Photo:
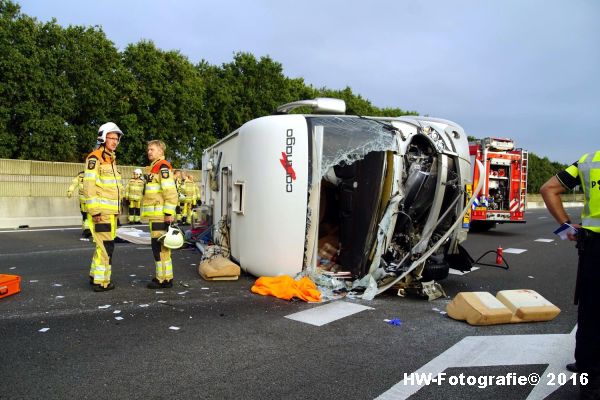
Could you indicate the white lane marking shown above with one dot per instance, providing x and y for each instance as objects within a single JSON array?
[
  {"x": 544, "y": 240},
  {"x": 510, "y": 250},
  {"x": 327, "y": 313},
  {"x": 457, "y": 272},
  {"x": 483, "y": 351}
]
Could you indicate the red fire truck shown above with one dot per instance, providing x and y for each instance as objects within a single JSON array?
[{"x": 502, "y": 198}]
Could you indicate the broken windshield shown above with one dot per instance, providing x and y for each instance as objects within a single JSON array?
[{"x": 349, "y": 139}]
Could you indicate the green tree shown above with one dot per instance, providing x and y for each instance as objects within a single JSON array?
[
  {"x": 540, "y": 170},
  {"x": 247, "y": 88},
  {"x": 166, "y": 103}
]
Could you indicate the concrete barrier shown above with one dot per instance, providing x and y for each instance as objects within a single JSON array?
[{"x": 36, "y": 212}]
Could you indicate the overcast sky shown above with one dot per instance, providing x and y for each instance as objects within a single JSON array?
[{"x": 528, "y": 70}]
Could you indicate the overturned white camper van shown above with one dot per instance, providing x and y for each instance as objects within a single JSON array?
[{"x": 383, "y": 197}]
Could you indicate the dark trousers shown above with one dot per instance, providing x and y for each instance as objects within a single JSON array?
[{"x": 587, "y": 347}]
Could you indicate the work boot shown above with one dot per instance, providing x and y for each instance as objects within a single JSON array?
[
  {"x": 91, "y": 280},
  {"x": 155, "y": 284},
  {"x": 100, "y": 288}
]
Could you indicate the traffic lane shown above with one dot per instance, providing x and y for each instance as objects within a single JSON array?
[
  {"x": 550, "y": 268},
  {"x": 344, "y": 358}
]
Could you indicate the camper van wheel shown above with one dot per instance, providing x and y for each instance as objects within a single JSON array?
[{"x": 435, "y": 271}]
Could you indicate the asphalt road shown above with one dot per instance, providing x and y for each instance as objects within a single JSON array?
[{"x": 232, "y": 343}]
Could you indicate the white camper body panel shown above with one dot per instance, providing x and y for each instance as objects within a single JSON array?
[
  {"x": 268, "y": 203},
  {"x": 266, "y": 165}
]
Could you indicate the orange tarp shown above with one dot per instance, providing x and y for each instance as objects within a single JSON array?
[{"x": 284, "y": 287}]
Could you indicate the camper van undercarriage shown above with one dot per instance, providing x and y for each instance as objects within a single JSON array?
[{"x": 383, "y": 202}]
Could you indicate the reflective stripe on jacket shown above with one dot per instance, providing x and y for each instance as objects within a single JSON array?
[
  {"x": 135, "y": 189},
  {"x": 589, "y": 172},
  {"x": 190, "y": 190},
  {"x": 160, "y": 194},
  {"x": 102, "y": 186},
  {"x": 77, "y": 182}
]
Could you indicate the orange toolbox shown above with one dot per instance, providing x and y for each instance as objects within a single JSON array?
[{"x": 9, "y": 284}]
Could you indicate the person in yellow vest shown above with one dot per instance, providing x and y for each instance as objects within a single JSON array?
[
  {"x": 103, "y": 191},
  {"x": 586, "y": 173},
  {"x": 77, "y": 182},
  {"x": 158, "y": 205},
  {"x": 178, "y": 177},
  {"x": 190, "y": 191},
  {"x": 133, "y": 194}
]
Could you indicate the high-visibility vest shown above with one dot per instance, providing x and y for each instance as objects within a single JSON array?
[
  {"x": 77, "y": 182},
  {"x": 588, "y": 168},
  {"x": 190, "y": 191},
  {"x": 160, "y": 194},
  {"x": 135, "y": 189},
  {"x": 102, "y": 186}
]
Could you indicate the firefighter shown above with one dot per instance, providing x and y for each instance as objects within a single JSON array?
[
  {"x": 77, "y": 182},
  {"x": 584, "y": 172},
  {"x": 191, "y": 193},
  {"x": 178, "y": 177},
  {"x": 102, "y": 190},
  {"x": 133, "y": 194},
  {"x": 158, "y": 205}
]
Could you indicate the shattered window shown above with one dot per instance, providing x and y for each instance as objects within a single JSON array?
[{"x": 349, "y": 139}]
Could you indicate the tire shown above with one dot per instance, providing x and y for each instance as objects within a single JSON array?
[
  {"x": 435, "y": 270},
  {"x": 481, "y": 226}
]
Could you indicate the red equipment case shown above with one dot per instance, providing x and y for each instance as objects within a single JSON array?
[{"x": 9, "y": 284}]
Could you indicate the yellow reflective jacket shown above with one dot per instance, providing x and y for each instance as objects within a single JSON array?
[
  {"x": 160, "y": 194},
  {"x": 135, "y": 189},
  {"x": 190, "y": 190},
  {"x": 77, "y": 182},
  {"x": 102, "y": 186}
]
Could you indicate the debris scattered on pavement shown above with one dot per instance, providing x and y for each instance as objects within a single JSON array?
[
  {"x": 205, "y": 288},
  {"x": 12, "y": 267},
  {"x": 131, "y": 275},
  {"x": 162, "y": 301},
  {"x": 436, "y": 309},
  {"x": 144, "y": 305},
  {"x": 117, "y": 312},
  {"x": 33, "y": 281},
  {"x": 185, "y": 285},
  {"x": 530, "y": 277},
  {"x": 57, "y": 284},
  {"x": 104, "y": 306},
  {"x": 184, "y": 292},
  {"x": 394, "y": 322},
  {"x": 158, "y": 292},
  {"x": 43, "y": 330},
  {"x": 59, "y": 297},
  {"x": 174, "y": 328},
  {"x": 119, "y": 318}
]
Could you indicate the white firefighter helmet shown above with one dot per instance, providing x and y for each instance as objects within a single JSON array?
[
  {"x": 173, "y": 239},
  {"x": 105, "y": 129},
  {"x": 137, "y": 172}
]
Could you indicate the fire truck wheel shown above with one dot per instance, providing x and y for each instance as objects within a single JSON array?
[{"x": 481, "y": 226}]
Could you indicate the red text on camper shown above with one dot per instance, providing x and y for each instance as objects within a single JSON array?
[{"x": 287, "y": 166}]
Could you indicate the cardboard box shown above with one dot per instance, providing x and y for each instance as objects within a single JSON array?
[
  {"x": 9, "y": 284},
  {"x": 509, "y": 306}
]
